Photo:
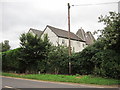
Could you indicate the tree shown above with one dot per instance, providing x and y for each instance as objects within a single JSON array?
[
  {"x": 111, "y": 33},
  {"x": 58, "y": 60},
  {"x": 4, "y": 46},
  {"x": 98, "y": 61},
  {"x": 33, "y": 52},
  {"x": 82, "y": 63},
  {"x": 107, "y": 64}
]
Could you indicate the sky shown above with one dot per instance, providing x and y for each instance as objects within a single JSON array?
[{"x": 18, "y": 16}]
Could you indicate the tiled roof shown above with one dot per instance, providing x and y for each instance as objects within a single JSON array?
[
  {"x": 35, "y": 31},
  {"x": 88, "y": 37},
  {"x": 64, "y": 33},
  {"x": 81, "y": 33}
]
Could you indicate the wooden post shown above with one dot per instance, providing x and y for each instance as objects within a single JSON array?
[
  {"x": 69, "y": 48},
  {"x": 119, "y": 7}
]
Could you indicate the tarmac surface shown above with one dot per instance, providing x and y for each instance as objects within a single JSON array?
[{"x": 11, "y": 82}]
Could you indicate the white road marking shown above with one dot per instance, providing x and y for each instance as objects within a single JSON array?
[
  {"x": 12, "y": 87},
  {"x": 8, "y": 87}
]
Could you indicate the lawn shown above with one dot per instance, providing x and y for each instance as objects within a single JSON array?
[{"x": 86, "y": 79}]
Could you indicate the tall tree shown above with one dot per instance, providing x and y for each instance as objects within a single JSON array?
[
  {"x": 4, "y": 46},
  {"x": 111, "y": 32},
  {"x": 33, "y": 52}
]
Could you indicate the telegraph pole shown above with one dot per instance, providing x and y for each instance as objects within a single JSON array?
[
  {"x": 119, "y": 7},
  {"x": 69, "y": 48}
]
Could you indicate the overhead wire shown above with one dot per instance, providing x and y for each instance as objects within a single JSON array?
[{"x": 95, "y": 4}]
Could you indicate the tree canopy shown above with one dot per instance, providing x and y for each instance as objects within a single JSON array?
[
  {"x": 111, "y": 33},
  {"x": 4, "y": 46},
  {"x": 33, "y": 51}
]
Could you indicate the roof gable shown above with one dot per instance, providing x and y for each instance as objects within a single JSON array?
[
  {"x": 64, "y": 34},
  {"x": 36, "y": 32},
  {"x": 88, "y": 37},
  {"x": 81, "y": 33}
]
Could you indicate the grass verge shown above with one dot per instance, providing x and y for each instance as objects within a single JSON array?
[{"x": 87, "y": 79}]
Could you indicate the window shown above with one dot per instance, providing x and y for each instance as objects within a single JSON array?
[
  {"x": 63, "y": 41},
  {"x": 83, "y": 45}
]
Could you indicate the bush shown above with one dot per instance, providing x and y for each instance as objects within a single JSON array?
[
  {"x": 10, "y": 60},
  {"x": 58, "y": 60},
  {"x": 81, "y": 62},
  {"x": 97, "y": 61},
  {"x": 107, "y": 64}
]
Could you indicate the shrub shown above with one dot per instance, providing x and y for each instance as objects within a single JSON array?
[
  {"x": 107, "y": 64},
  {"x": 10, "y": 60},
  {"x": 81, "y": 62},
  {"x": 97, "y": 61},
  {"x": 58, "y": 60}
]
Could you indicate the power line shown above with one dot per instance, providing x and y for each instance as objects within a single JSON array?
[{"x": 95, "y": 4}]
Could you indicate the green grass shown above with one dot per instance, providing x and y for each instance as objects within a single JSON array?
[{"x": 87, "y": 79}]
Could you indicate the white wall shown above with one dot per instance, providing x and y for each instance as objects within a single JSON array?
[
  {"x": 76, "y": 46},
  {"x": 51, "y": 36}
]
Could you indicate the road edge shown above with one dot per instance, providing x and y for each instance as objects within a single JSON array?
[{"x": 87, "y": 85}]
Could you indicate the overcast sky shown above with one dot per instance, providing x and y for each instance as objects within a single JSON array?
[{"x": 18, "y": 16}]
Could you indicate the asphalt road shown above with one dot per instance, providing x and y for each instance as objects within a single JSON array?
[{"x": 8, "y": 82}]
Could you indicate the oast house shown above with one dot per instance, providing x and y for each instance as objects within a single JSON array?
[{"x": 60, "y": 37}]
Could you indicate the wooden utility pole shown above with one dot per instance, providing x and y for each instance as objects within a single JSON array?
[
  {"x": 119, "y": 7},
  {"x": 69, "y": 48}
]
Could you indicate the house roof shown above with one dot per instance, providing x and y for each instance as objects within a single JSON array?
[
  {"x": 64, "y": 33},
  {"x": 35, "y": 31},
  {"x": 88, "y": 37},
  {"x": 81, "y": 33}
]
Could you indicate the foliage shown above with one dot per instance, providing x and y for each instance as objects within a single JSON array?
[
  {"x": 111, "y": 32},
  {"x": 107, "y": 64},
  {"x": 36, "y": 55},
  {"x": 58, "y": 59},
  {"x": 10, "y": 60},
  {"x": 4, "y": 46},
  {"x": 102, "y": 58},
  {"x": 98, "y": 61},
  {"x": 81, "y": 62},
  {"x": 33, "y": 53}
]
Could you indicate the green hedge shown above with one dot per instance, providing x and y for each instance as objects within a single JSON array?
[
  {"x": 92, "y": 60},
  {"x": 56, "y": 62},
  {"x": 10, "y": 60},
  {"x": 98, "y": 61},
  {"x": 107, "y": 64}
]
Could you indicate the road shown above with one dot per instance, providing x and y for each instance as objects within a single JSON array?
[{"x": 9, "y": 82}]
